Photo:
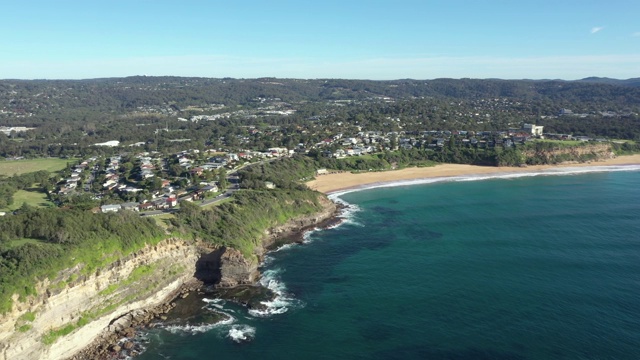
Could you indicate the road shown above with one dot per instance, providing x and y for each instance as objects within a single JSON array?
[{"x": 234, "y": 185}]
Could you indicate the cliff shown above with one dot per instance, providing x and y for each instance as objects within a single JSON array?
[
  {"x": 235, "y": 269},
  {"x": 65, "y": 316},
  {"x": 71, "y": 312},
  {"x": 554, "y": 154}
]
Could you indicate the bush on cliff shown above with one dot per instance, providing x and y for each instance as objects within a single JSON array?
[
  {"x": 37, "y": 243},
  {"x": 241, "y": 224}
]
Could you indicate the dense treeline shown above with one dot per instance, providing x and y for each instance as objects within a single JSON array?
[
  {"x": 283, "y": 173},
  {"x": 241, "y": 224},
  {"x": 536, "y": 153},
  {"x": 37, "y": 243}
]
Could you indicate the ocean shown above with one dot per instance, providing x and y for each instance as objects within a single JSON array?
[{"x": 502, "y": 267}]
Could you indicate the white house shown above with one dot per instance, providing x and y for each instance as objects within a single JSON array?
[{"x": 534, "y": 130}]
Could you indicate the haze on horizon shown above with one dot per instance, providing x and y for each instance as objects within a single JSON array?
[{"x": 358, "y": 39}]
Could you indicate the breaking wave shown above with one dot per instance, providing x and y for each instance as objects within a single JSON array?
[
  {"x": 282, "y": 302},
  {"x": 191, "y": 329},
  {"x": 242, "y": 333},
  {"x": 348, "y": 211}
]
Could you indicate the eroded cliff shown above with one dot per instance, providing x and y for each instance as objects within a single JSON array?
[
  {"x": 568, "y": 154},
  {"x": 68, "y": 313}
]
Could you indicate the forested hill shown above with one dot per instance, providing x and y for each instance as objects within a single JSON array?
[
  {"x": 48, "y": 97},
  {"x": 635, "y": 82},
  {"x": 67, "y": 117}
]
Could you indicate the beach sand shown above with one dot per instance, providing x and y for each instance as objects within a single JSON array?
[{"x": 345, "y": 180}]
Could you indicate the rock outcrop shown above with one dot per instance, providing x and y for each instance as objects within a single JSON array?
[{"x": 236, "y": 270}]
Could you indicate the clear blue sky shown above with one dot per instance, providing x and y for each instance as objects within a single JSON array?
[{"x": 358, "y": 39}]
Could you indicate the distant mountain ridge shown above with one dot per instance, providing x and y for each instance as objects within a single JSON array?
[{"x": 635, "y": 82}]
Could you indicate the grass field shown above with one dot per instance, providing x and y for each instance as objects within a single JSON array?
[
  {"x": 19, "y": 242},
  {"x": 561, "y": 142},
  {"x": 33, "y": 198},
  {"x": 163, "y": 220},
  {"x": 12, "y": 167}
]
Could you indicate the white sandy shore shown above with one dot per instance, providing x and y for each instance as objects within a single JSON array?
[{"x": 342, "y": 181}]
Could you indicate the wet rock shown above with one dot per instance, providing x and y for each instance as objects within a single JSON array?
[{"x": 250, "y": 296}]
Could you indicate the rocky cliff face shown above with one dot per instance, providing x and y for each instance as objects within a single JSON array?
[
  {"x": 61, "y": 320},
  {"x": 572, "y": 154}
]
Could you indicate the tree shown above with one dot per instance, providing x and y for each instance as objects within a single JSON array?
[{"x": 223, "y": 183}]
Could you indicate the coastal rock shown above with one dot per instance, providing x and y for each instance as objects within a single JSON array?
[{"x": 235, "y": 269}]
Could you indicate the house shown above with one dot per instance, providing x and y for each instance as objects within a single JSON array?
[
  {"x": 172, "y": 201},
  {"x": 322, "y": 171},
  {"x": 132, "y": 206},
  {"x": 110, "y": 208},
  {"x": 534, "y": 130},
  {"x": 210, "y": 188},
  {"x": 269, "y": 185},
  {"x": 146, "y": 206}
]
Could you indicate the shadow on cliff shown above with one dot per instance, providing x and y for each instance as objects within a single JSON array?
[{"x": 208, "y": 266}]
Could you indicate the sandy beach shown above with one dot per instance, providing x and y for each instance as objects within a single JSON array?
[{"x": 342, "y": 181}]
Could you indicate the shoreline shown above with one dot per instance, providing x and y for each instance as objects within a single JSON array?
[
  {"x": 118, "y": 340},
  {"x": 346, "y": 181}
]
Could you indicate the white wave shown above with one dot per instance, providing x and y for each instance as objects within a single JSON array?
[
  {"x": 284, "y": 247},
  {"x": 190, "y": 329},
  {"x": 577, "y": 170},
  {"x": 228, "y": 321},
  {"x": 213, "y": 304},
  {"x": 282, "y": 301},
  {"x": 306, "y": 237},
  {"x": 242, "y": 333},
  {"x": 213, "y": 301},
  {"x": 348, "y": 211}
]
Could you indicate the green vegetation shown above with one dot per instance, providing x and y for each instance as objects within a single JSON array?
[
  {"x": 31, "y": 198},
  {"x": 626, "y": 148},
  {"x": 24, "y": 328},
  {"x": 240, "y": 224},
  {"x": 53, "y": 335},
  {"x": 19, "y": 167},
  {"x": 561, "y": 143},
  {"x": 9, "y": 186},
  {"x": 135, "y": 275},
  {"x": 28, "y": 316},
  {"x": 65, "y": 238}
]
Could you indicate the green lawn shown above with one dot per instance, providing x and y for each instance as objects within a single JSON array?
[
  {"x": 19, "y": 242},
  {"x": 561, "y": 142},
  {"x": 163, "y": 220},
  {"x": 32, "y": 198},
  {"x": 12, "y": 167}
]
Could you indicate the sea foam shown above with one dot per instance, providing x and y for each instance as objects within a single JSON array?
[
  {"x": 282, "y": 302},
  {"x": 348, "y": 211},
  {"x": 190, "y": 329},
  {"x": 242, "y": 333}
]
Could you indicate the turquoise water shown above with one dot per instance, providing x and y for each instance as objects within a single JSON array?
[{"x": 544, "y": 267}]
